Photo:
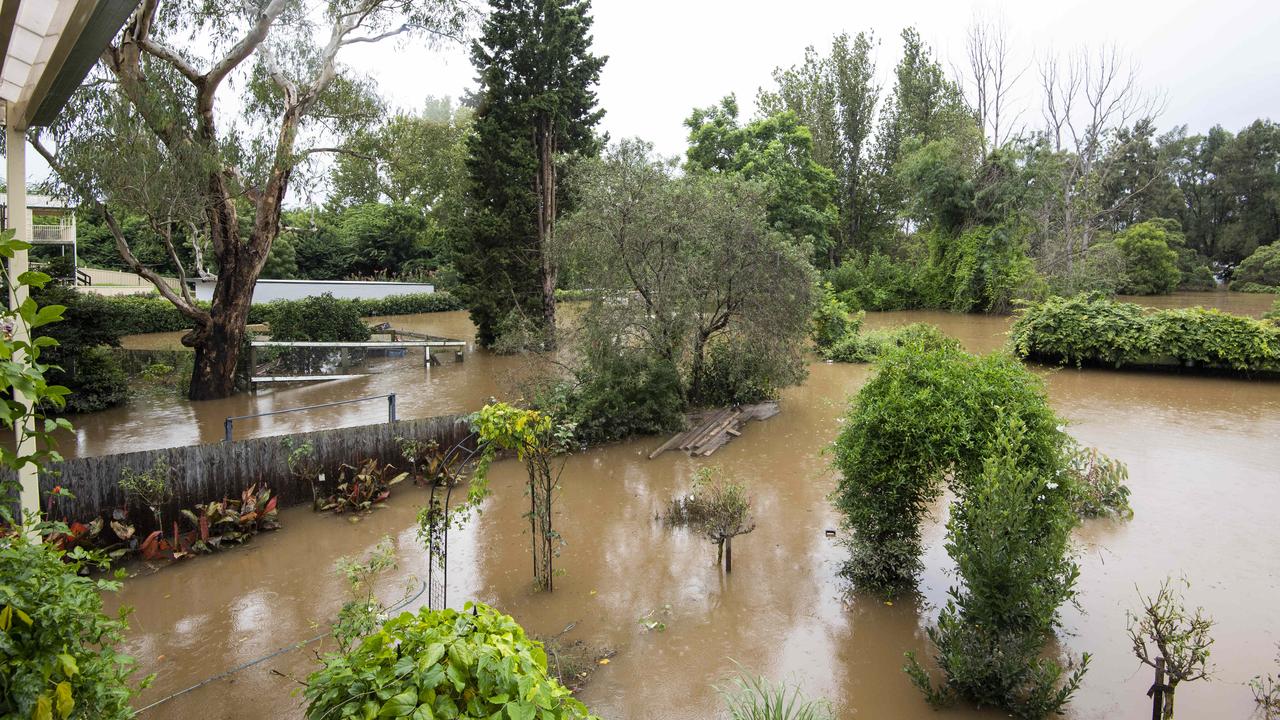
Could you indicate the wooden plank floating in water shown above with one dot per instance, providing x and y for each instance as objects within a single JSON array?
[{"x": 712, "y": 430}]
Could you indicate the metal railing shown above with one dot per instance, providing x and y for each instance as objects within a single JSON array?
[{"x": 229, "y": 423}]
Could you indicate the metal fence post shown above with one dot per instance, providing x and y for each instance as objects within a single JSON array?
[
  {"x": 226, "y": 428},
  {"x": 391, "y": 407}
]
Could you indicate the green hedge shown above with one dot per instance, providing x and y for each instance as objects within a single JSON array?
[
  {"x": 138, "y": 314},
  {"x": 1095, "y": 330}
]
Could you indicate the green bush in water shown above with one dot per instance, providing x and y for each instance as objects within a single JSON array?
[
  {"x": 617, "y": 397},
  {"x": 1256, "y": 288},
  {"x": 477, "y": 663},
  {"x": 832, "y": 320},
  {"x": 1093, "y": 329},
  {"x": 863, "y": 347},
  {"x": 1262, "y": 267},
  {"x": 323, "y": 318},
  {"x": 928, "y": 415},
  {"x": 1009, "y": 536},
  {"x": 1199, "y": 279}
]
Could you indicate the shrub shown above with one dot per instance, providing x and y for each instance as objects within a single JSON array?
[
  {"x": 57, "y": 647},
  {"x": 137, "y": 314},
  {"x": 1212, "y": 337},
  {"x": 867, "y": 346},
  {"x": 620, "y": 396},
  {"x": 1008, "y": 536},
  {"x": 1086, "y": 329},
  {"x": 875, "y": 282},
  {"x": 1252, "y": 287},
  {"x": 1151, "y": 266},
  {"x": 1261, "y": 268},
  {"x": 739, "y": 372},
  {"x": 472, "y": 664},
  {"x": 1201, "y": 278},
  {"x": 929, "y": 413},
  {"x": 832, "y": 321},
  {"x": 81, "y": 359},
  {"x": 1080, "y": 329},
  {"x": 94, "y": 377},
  {"x": 1099, "y": 488},
  {"x": 322, "y": 318},
  {"x": 719, "y": 508}
]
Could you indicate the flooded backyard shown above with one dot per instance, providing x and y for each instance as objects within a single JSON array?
[{"x": 1204, "y": 461}]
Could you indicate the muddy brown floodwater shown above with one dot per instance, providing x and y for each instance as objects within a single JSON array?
[{"x": 1204, "y": 461}]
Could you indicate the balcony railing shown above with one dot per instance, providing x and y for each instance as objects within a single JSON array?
[{"x": 52, "y": 234}]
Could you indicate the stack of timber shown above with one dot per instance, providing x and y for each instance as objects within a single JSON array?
[{"x": 709, "y": 431}]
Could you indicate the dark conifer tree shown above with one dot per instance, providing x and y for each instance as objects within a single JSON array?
[{"x": 536, "y": 103}]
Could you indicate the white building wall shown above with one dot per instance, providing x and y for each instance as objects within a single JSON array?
[{"x": 268, "y": 290}]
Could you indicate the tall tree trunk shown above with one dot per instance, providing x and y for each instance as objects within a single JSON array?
[
  {"x": 218, "y": 344},
  {"x": 546, "y": 227}
]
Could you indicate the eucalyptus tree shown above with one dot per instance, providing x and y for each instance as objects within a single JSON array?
[
  {"x": 536, "y": 103},
  {"x": 219, "y": 106}
]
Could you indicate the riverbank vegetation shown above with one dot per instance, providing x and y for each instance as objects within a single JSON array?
[{"x": 1094, "y": 330}]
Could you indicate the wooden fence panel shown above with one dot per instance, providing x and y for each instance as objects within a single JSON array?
[{"x": 202, "y": 473}]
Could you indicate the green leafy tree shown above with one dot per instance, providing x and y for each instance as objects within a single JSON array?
[
  {"x": 689, "y": 270},
  {"x": 386, "y": 239},
  {"x": 216, "y": 131},
  {"x": 282, "y": 259},
  {"x": 322, "y": 252},
  {"x": 776, "y": 150},
  {"x": 1151, "y": 266},
  {"x": 477, "y": 663},
  {"x": 925, "y": 106},
  {"x": 1261, "y": 267},
  {"x": 835, "y": 96},
  {"x": 536, "y": 103}
]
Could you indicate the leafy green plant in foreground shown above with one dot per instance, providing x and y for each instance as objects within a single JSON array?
[
  {"x": 57, "y": 647},
  {"x": 477, "y": 663}
]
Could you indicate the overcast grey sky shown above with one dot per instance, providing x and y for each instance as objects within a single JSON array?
[{"x": 1217, "y": 62}]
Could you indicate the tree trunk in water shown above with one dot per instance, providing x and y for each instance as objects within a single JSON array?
[
  {"x": 728, "y": 555},
  {"x": 1168, "y": 702},
  {"x": 218, "y": 345}
]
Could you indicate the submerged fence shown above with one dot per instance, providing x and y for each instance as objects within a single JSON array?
[{"x": 203, "y": 473}]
